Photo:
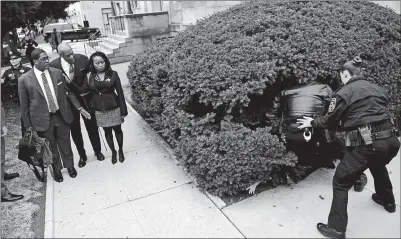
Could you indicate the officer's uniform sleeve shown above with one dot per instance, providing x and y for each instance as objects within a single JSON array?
[{"x": 332, "y": 118}]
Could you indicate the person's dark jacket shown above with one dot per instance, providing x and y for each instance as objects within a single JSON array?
[
  {"x": 107, "y": 94},
  {"x": 357, "y": 103},
  {"x": 80, "y": 64},
  {"x": 302, "y": 100}
]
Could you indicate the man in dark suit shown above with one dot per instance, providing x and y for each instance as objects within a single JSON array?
[
  {"x": 45, "y": 108},
  {"x": 72, "y": 64}
]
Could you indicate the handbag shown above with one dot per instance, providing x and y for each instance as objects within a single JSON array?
[{"x": 36, "y": 152}]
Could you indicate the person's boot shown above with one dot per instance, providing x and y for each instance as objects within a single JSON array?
[
  {"x": 82, "y": 161},
  {"x": 361, "y": 183},
  {"x": 390, "y": 207},
  {"x": 114, "y": 157},
  {"x": 121, "y": 157},
  {"x": 329, "y": 232}
]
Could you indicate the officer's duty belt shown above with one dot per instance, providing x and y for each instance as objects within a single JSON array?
[{"x": 353, "y": 138}]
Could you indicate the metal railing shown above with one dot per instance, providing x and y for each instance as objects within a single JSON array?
[{"x": 95, "y": 41}]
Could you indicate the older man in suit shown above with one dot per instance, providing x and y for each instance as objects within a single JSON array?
[
  {"x": 72, "y": 66},
  {"x": 45, "y": 108}
]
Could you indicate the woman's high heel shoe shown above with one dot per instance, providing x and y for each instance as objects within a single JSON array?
[
  {"x": 114, "y": 157},
  {"x": 121, "y": 155}
]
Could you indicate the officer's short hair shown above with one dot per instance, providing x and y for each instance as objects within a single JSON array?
[
  {"x": 353, "y": 67},
  {"x": 36, "y": 53}
]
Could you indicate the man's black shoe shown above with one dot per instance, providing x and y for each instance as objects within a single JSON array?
[
  {"x": 99, "y": 156},
  {"x": 58, "y": 177},
  {"x": 330, "y": 165},
  {"x": 390, "y": 207},
  {"x": 329, "y": 232},
  {"x": 9, "y": 176},
  {"x": 72, "y": 172},
  {"x": 361, "y": 183},
  {"x": 82, "y": 161},
  {"x": 11, "y": 197}
]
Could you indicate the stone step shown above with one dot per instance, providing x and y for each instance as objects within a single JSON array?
[
  {"x": 115, "y": 43},
  {"x": 120, "y": 38},
  {"x": 110, "y": 47},
  {"x": 108, "y": 52}
]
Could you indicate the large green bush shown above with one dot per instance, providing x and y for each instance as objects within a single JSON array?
[{"x": 207, "y": 90}]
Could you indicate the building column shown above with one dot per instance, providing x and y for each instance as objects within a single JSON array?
[
  {"x": 127, "y": 6},
  {"x": 113, "y": 11}
]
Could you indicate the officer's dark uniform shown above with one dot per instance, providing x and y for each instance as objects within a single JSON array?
[
  {"x": 357, "y": 104},
  {"x": 10, "y": 84},
  {"x": 310, "y": 100}
]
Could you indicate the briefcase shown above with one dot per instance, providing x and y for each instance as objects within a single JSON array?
[{"x": 36, "y": 152}]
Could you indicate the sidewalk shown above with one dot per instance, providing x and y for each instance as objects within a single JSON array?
[{"x": 150, "y": 196}]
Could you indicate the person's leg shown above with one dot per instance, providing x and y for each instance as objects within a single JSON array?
[
  {"x": 377, "y": 166},
  {"x": 93, "y": 133},
  {"x": 119, "y": 136},
  {"x": 64, "y": 142},
  {"x": 347, "y": 172},
  {"x": 76, "y": 133},
  {"x": 108, "y": 132}
]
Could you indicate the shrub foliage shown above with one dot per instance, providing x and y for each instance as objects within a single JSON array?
[{"x": 207, "y": 90}]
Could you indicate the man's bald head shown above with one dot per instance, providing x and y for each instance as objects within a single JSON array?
[{"x": 66, "y": 52}]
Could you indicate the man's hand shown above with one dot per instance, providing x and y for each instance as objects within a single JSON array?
[
  {"x": 85, "y": 113},
  {"x": 305, "y": 122},
  {"x": 251, "y": 189}
]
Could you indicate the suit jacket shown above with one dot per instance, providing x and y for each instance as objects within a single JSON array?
[
  {"x": 34, "y": 109},
  {"x": 81, "y": 63}
]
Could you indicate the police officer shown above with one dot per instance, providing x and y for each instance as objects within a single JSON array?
[
  {"x": 29, "y": 44},
  {"x": 371, "y": 142},
  {"x": 9, "y": 80},
  {"x": 315, "y": 148}
]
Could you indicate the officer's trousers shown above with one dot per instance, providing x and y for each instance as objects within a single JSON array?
[{"x": 356, "y": 160}]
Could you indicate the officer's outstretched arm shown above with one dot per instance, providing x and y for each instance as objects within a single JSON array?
[{"x": 332, "y": 118}]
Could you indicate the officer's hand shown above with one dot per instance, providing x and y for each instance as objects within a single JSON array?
[
  {"x": 29, "y": 129},
  {"x": 305, "y": 122},
  {"x": 2, "y": 80},
  {"x": 85, "y": 114}
]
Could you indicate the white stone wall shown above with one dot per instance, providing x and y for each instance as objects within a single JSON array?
[
  {"x": 92, "y": 10},
  {"x": 188, "y": 12},
  {"x": 395, "y": 5}
]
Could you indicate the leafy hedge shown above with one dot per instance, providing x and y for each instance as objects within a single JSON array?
[{"x": 207, "y": 91}]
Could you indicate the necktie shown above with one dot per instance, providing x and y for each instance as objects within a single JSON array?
[
  {"x": 48, "y": 92},
  {"x": 71, "y": 72}
]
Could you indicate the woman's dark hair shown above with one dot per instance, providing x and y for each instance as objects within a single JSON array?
[
  {"x": 107, "y": 68},
  {"x": 353, "y": 67}
]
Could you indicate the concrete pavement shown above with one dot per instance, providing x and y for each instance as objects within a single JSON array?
[{"x": 150, "y": 196}]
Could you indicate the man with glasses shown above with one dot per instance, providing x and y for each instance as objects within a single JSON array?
[{"x": 45, "y": 109}]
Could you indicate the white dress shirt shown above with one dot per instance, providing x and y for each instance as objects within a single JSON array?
[
  {"x": 38, "y": 74},
  {"x": 66, "y": 68}
]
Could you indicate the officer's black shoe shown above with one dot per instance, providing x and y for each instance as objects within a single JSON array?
[
  {"x": 329, "y": 232},
  {"x": 390, "y": 207},
  {"x": 361, "y": 183},
  {"x": 330, "y": 165}
]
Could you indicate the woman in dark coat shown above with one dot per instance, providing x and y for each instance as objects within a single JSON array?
[{"x": 106, "y": 100}]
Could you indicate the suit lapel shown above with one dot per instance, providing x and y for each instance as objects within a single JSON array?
[
  {"x": 54, "y": 81},
  {"x": 35, "y": 82}
]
